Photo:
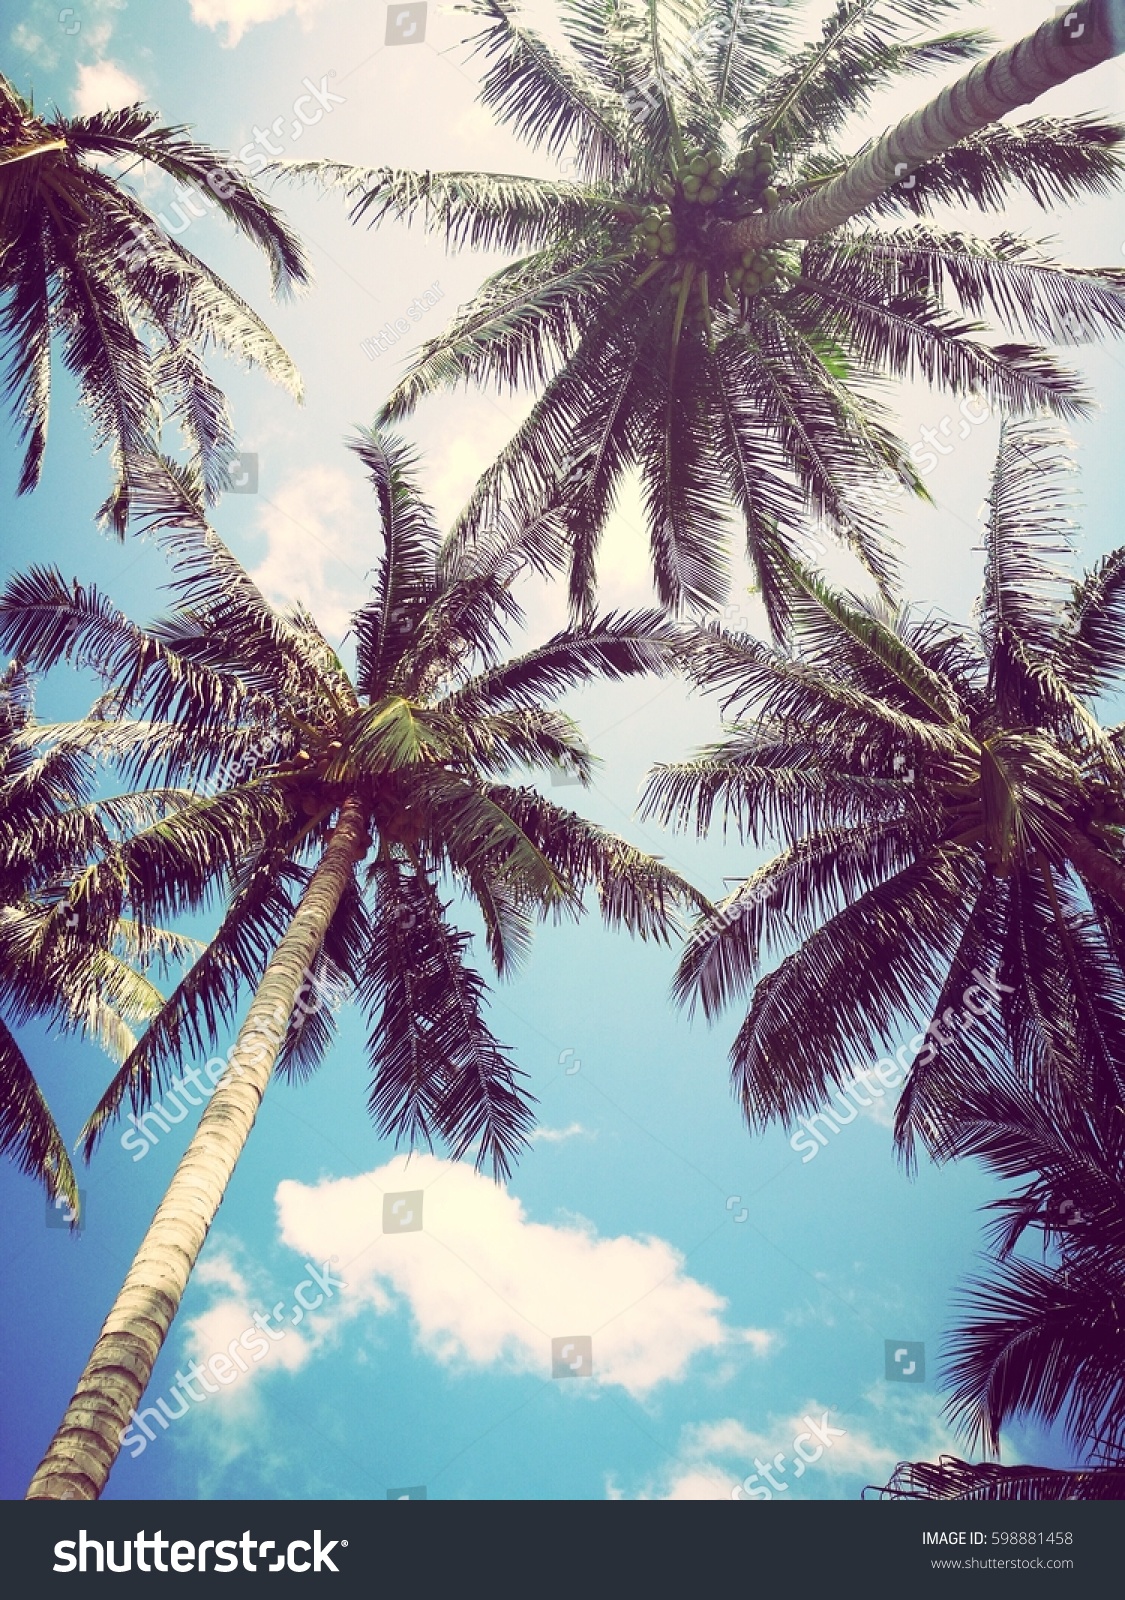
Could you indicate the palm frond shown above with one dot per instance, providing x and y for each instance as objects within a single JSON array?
[
  {"x": 1052, "y": 159},
  {"x": 29, "y": 1134},
  {"x": 437, "y": 1070},
  {"x": 545, "y": 98},
  {"x": 472, "y": 210}
]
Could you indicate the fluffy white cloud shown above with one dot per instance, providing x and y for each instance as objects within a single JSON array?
[
  {"x": 239, "y": 16},
  {"x": 321, "y": 545},
  {"x": 486, "y": 1285},
  {"x": 103, "y": 85}
]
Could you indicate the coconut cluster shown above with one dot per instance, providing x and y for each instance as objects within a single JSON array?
[
  {"x": 667, "y": 231},
  {"x": 655, "y": 234},
  {"x": 701, "y": 179}
]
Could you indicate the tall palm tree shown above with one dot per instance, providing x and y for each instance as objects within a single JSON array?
[
  {"x": 950, "y": 806},
  {"x": 302, "y": 772},
  {"x": 713, "y": 295},
  {"x": 1045, "y": 1340},
  {"x": 84, "y": 261},
  {"x": 54, "y": 968}
]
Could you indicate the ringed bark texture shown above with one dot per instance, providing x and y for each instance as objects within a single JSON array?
[{"x": 1073, "y": 42}]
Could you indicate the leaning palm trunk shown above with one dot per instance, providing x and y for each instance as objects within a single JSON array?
[
  {"x": 1096, "y": 867},
  {"x": 1070, "y": 43},
  {"x": 12, "y": 156},
  {"x": 85, "y": 1446}
]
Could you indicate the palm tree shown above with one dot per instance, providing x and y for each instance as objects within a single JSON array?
[
  {"x": 952, "y": 811},
  {"x": 1045, "y": 1340},
  {"x": 710, "y": 299},
  {"x": 302, "y": 771},
  {"x": 83, "y": 260},
  {"x": 51, "y": 967}
]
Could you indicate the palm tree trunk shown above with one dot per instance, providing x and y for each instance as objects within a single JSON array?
[
  {"x": 1098, "y": 869},
  {"x": 1070, "y": 43},
  {"x": 28, "y": 151},
  {"x": 85, "y": 1446}
]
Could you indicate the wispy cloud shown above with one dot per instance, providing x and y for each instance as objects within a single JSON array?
[
  {"x": 49, "y": 33},
  {"x": 575, "y": 1130},
  {"x": 722, "y": 1459},
  {"x": 239, "y": 16}
]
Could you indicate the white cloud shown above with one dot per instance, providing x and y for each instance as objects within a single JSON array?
[
  {"x": 25, "y": 38},
  {"x": 715, "y": 1459},
  {"x": 574, "y": 1130},
  {"x": 698, "y": 1483},
  {"x": 102, "y": 86},
  {"x": 227, "y": 1319},
  {"x": 321, "y": 546},
  {"x": 239, "y": 16},
  {"x": 47, "y": 29},
  {"x": 488, "y": 1286}
]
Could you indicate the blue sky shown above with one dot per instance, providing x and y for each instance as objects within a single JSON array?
[{"x": 729, "y": 1289}]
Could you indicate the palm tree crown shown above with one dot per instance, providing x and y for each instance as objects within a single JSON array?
[
  {"x": 1044, "y": 1340},
  {"x": 952, "y": 809},
  {"x": 252, "y": 709},
  {"x": 84, "y": 260},
  {"x": 301, "y": 774},
  {"x": 732, "y": 374}
]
